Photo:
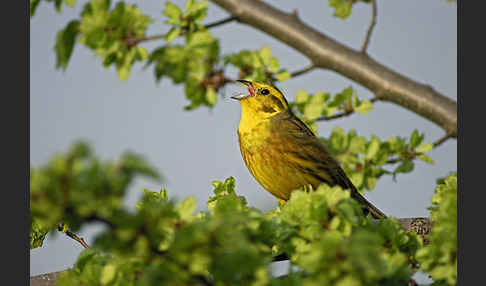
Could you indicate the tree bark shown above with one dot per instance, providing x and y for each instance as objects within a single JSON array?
[{"x": 325, "y": 52}]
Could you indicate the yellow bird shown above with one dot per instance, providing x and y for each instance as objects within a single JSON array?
[{"x": 281, "y": 152}]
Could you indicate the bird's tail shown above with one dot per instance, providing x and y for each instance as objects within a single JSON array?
[{"x": 368, "y": 207}]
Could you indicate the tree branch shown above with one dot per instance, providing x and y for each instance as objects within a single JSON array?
[
  {"x": 324, "y": 52},
  {"x": 302, "y": 71},
  {"x": 134, "y": 41},
  {"x": 371, "y": 27},
  {"x": 342, "y": 114},
  {"x": 442, "y": 140},
  {"x": 74, "y": 236}
]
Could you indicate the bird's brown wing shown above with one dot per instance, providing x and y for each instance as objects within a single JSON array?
[{"x": 303, "y": 144}]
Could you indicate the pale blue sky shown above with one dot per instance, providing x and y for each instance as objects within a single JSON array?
[{"x": 416, "y": 38}]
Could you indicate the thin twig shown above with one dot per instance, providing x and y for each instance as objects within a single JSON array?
[
  {"x": 221, "y": 22},
  {"x": 370, "y": 28},
  {"x": 303, "y": 71},
  {"x": 74, "y": 236},
  {"x": 442, "y": 140},
  {"x": 135, "y": 41},
  {"x": 335, "y": 116},
  {"x": 342, "y": 114}
]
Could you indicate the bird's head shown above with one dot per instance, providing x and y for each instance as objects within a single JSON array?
[{"x": 262, "y": 99}]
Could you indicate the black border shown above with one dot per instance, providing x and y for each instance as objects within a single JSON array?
[
  {"x": 15, "y": 140},
  {"x": 470, "y": 160}
]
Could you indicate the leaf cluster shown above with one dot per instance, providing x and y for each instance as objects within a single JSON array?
[
  {"x": 190, "y": 64},
  {"x": 110, "y": 33},
  {"x": 258, "y": 65},
  {"x": 439, "y": 258},
  {"x": 321, "y": 105},
  {"x": 322, "y": 232},
  {"x": 76, "y": 187}
]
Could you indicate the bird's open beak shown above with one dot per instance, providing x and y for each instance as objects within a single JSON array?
[{"x": 243, "y": 95}]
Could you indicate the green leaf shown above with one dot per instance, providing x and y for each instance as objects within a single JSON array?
[
  {"x": 265, "y": 54},
  {"x": 70, "y": 3},
  {"x": 37, "y": 233},
  {"x": 313, "y": 111},
  {"x": 172, "y": 11},
  {"x": 33, "y": 7},
  {"x": 373, "y": 148},
  {"x": 186, "y": 208},
  {"x": 426, "y": 159},
  {"x": 197, "y": 11},
  {"x": 58, "y": 4},
  {"x": 370, "y": 182},
  {"x": 415, "y": 139},
  {"x": 282, "y": 75},
  {"x": 357, "y": 145},
  {"x": 123, "y": 72},
  {"x": 364, "y": 107},
  {"x": 405, "y": 167},
  {"x": 424, "y": 148},
  {"x": 65, "y": 41},
  {"x": 342, "y": 97},
  {"x": 108, "y": 274},
  {"x": 211, "y": 96},
  {"x": 172, "y": 34},
  {"x": 189, "y": 4},
  {"x": 301, "y": 96},
  {"x": 142, "y": 54},
  {"x": 342, "y": 8}
]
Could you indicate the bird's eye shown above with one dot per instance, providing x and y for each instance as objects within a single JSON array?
[{"x": 265, "y": 92}]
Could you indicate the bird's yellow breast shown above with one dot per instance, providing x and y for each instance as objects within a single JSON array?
[{"x": 268, "y": 158}]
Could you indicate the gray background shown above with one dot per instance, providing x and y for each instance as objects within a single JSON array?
[{"x": 416, "y": 38}]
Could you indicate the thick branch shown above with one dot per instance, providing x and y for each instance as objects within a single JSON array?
[{"x": 327, "y": 53}]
